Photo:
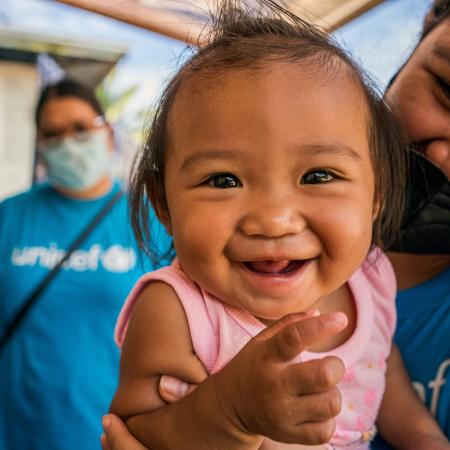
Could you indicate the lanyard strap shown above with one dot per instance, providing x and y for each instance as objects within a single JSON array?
[{"x": 40, "y": 288}]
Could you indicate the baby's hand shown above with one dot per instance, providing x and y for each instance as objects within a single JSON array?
[{"x": 261, "y": 392}]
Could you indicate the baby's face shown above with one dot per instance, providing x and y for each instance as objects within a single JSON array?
[{"x": 269, "y": 186}]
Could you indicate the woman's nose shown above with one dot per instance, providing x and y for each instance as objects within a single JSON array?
[
  {"x": 269, "y": 219},
  {"x": 438, "y": 152}
]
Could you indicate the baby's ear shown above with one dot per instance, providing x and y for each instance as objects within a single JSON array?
[
  {"x": 376, "y": 208},
  {"x": 162, "y": 212}
]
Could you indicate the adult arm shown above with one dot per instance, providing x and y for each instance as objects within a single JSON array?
[
  {"x": 116, "y": 435},
  {"x": 403, "y": 420}
]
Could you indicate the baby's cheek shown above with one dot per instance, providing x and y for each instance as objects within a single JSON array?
[
  {"x": 349, "y": 233},
  {"x": 200, "y": 236}
]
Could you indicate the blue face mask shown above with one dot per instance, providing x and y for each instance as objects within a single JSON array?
[{"x": 77, "y": 164}]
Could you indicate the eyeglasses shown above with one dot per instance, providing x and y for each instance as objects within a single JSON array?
[{"x": 79, "y": 131}]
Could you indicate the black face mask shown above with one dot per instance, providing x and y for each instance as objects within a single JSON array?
[{"x": 426, "y": 223}]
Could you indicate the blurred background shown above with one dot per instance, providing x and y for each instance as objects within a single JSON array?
[{"x": 129, "y": 60}]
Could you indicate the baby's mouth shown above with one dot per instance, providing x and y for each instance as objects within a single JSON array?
[{"x": 274, "y": 267}]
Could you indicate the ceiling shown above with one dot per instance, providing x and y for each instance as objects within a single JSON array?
[
  {"x": 185, "y": 19},
  {"x": 86, "y": 60}
]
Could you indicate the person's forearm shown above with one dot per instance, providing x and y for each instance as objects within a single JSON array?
[
  {"x": 426, "y": 436},
  {"x": 403, "y": 419},
  {"x": 423, "y": 435},
  {"x": 196, "y": 422}
]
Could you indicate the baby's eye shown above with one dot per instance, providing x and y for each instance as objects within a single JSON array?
[
  {"x": 317, "y": 177},
  {"x": 224, "y": 181}
]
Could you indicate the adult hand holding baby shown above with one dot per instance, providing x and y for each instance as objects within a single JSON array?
[{"x": 286, "y": 402}]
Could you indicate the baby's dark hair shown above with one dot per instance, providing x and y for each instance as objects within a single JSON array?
[{"x": 244, "y": 37}]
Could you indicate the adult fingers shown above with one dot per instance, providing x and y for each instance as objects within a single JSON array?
[
  {"x": 117, "y": 436},
  {"x": 313, "y": 376},
  {"x": 295, "y": 337},
  {"x": 104, "y": 442},
  {"x": 172, "y": 389}
]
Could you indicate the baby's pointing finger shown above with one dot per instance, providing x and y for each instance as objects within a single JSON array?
[
  {"x": 313, "y": 376},
  {"x": 295, "y": 337},
  {"x": 271, "y": 331}
]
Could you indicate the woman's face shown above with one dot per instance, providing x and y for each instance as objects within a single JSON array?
[
  {"x": 76, "y": 145},
  {"x": 61, "y": 117},
  {"x": 421, "y": 96}
]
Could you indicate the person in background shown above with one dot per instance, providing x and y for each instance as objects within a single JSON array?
[
  {"x": 59, "y": 365},
  {"x": 420, "y": 93}
]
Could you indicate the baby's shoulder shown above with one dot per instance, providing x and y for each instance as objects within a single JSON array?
[
  {"x": 377, "y": 270},
  {"x": 377, "y": 267}
]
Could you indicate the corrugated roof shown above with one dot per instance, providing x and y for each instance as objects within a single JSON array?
[
  {"x": 59, "y": 44},
  {"x": 184, "y": 19},
  {"x": 84, "y": 59}
]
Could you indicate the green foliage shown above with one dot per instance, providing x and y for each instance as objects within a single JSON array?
[{"x": 116, "y": 107}]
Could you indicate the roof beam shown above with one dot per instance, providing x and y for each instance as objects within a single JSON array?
[
  {"x": 135, "y": 13},
  {"x": 346, "y": 12},
  {"x": 179, "y": 26}
]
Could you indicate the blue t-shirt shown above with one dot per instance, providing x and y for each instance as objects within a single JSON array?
[
  {"x": 59, "y": 372},
  {"x": 423, "y": 336}
]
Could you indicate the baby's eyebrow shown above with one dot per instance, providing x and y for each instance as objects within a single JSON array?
[
  {"x": 339, "y": 150},
  {"x": 332, "y": 149},
  {"x": 209, "y": 155}
]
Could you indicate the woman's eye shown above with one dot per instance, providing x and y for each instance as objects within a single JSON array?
[
  {"x": 50, "y": 134},
  {"x": 444, "y": 86},
  {"x": 80, "y": 128},
  {"x": 224, "y": 181},
  {"x": 317, "y": 177}
]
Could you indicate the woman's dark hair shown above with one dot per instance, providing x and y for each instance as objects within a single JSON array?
[
  {"x": 439, "y": 11},
  {"x": 243, "y": 36},
  {"x": 67, "y": 88}
]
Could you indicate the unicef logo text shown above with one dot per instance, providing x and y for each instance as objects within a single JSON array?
[{"x": 115, "y": 259}]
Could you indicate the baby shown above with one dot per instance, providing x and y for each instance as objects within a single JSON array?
[{"x": 277, "y": 170}]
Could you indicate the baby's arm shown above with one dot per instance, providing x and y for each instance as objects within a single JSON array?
[
  {"x": 403, "y": 419},
  {"x": 258, "y": 393},
  {"x": 158, "y": 342}
]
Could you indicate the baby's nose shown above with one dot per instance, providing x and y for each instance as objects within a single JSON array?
[{"x": 273, "y": 221}]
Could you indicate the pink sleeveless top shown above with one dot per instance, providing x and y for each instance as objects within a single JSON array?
[{"x": 219, "y": 331}]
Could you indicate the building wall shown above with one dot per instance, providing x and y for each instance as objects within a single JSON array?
[{"x": 18, "y": 92}]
